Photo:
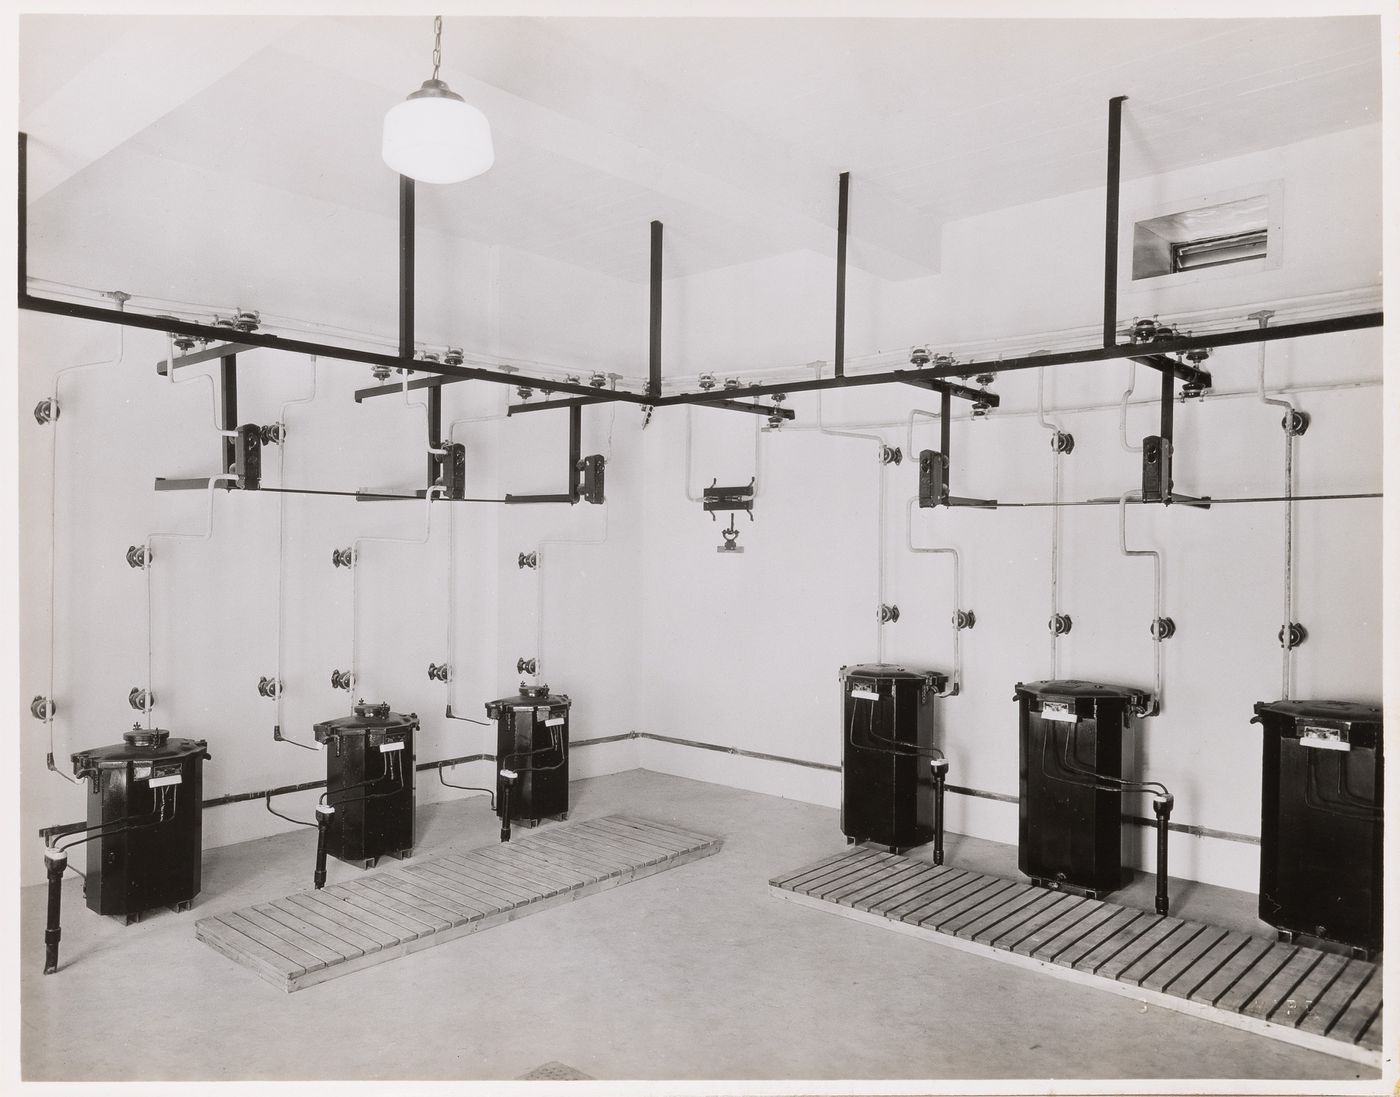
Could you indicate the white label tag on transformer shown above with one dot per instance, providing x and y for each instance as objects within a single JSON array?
[
  {"x": 384, "y": 748},
  {"x": 1058, "y": 710},
  {"x": 171, "y": 779},
  {"x": 865, "y": 694},
  {"x": 555, "y": 722},
  {"x": 1322, "y": 738},
  {"x": 141, "y": 770}
]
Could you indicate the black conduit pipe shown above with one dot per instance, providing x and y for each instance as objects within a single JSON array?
[
  {"x": 55, "y": 860},
  {"x": 1162, "y": 808},
  {"x": 940, "y": 780},
  {"x": 324, "y": 814},
  {"x": 507, "y": 779}
]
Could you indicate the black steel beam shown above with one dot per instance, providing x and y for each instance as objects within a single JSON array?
[
  {"x": 552, "y": 405},
  {"x": 198, "y": 357},
  {"x": 434, "y": 433},
  {"x": 22, "y": 220},
  {"x": 843, "y": 191},
  {"x": 654, "y": 347},
  {"x": 1182, "y": 371},
  {"x": 406, "y": 266},
  {"x": 962, "y": 392},
  {"x": 540, "y": 499},
  {"x": 361, "y": 395},
  {"x": 1168, "y": 416},
  {"x": 575, "y": 451},
  {"x": 1110, "y": 230},
  {"x": 228, "y": 408},
  {"x": 1246, "y": 336},
  {"x": 945, "y": 429}
]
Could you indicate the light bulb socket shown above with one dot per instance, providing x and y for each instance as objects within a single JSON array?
[{"x": 435, "y": 89}]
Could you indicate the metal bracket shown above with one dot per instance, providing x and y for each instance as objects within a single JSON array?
[
  {"x": 141, "y": 700},
  {"x": 590, "y": 478},
  {"x": 1162, "y": 628},
  {"x": 41, "y": 708},
  {"x": 738, "y": 497},
  {"x": 890, "y": 456},
  {"x": 524, "y": 666},
  {"x": 731, "y": 537},
  {"x": 888, "y": 614},
  {"x": 342, "y": 679},
  {"x": 1062, "y": 442},
  {"x": 272, "y": 434},
  {"x": 136, "y": 556},
  {"x": 437, "y": 672},
  {"x": 775, "y": 414},
  {"x": 964, "y": 618},
  {"x": 1296, "y": 423},
  {"x": 269, "y": 687},
  {"x": 46, "y": 410},
  {"x": 343, "y": 557},
  {"x": 527, "y": 560},
  {"x": 1297, "y": 635},
  {"x": 1061, "y": 623}
]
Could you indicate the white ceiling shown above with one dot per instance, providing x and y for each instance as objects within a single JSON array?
[{"x": 731, "y": 131}]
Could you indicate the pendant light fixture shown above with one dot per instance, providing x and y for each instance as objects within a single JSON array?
[{"x": 434, "y": 136}]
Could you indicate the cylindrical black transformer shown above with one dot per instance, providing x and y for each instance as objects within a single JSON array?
[
  {"x": 532, "y": 741},
  {"x": 146, "y": 794},
  {"x": 1320, "y": 833},
  {"x": 887, "y": 792},
  {"x": 369, "y": 782},
  {"x": 1071, "y": 760}
]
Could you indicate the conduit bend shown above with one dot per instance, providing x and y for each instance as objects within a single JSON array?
[
  {"x": 1123, "y": 410},
  {"x": 436, "y": 489},
  {"x": 1158, "y": 637},
  {"x": 955, "y": 680},
  {"x": 55, "y": 406},
  {"x": 172, "y": 380},
  {"x": 282, "y": 555},
  {"x": 822, "y": 428},
  {"x": 1290, "y": 414},
  {"x": 151, "y": 539}
]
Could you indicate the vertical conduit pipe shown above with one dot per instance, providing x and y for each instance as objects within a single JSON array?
[
  {"x": 1262, "y": 316},
  {"x": 540, "y": 561},
  {"x": 150, "y": 541},
  {"x": 50, "y": 706},
  {"x": 282, "y": 553},
  {"x": 1156, "y": 556},
  {"x": 1123, "y": 410},
  {"x": 213, "y": 398},
  {"x": 822, "y": 428},
  {"x": 955, "y": 683},
  {"x": 689, "y": 447},
  {"x": 1057, "y": 457},
  {"x": 355, "y": 582}
]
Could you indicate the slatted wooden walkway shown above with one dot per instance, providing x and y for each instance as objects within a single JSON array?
[
  {"x": 1301, "y": 995},
  {"x": 313, "y": 936}
]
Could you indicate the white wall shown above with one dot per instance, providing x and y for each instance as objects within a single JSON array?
[
  {"x": 215, "y": 602},
  {"x": 745, "y": 650},
  {"x": 653, "y": 629}
]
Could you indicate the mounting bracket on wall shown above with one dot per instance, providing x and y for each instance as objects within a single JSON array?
[
  {"x": 730, "y": 534},
  {"x": 41, "y": 708},
  {"x": 140, "y": 699},
  {"x": 437, "y": 672},
  {"x": 933, "y": 464},
  {"x": 527, "y": 560},
  {"x": 1297, "y": 635},
  {"x": 888, "y": 614},
  {"x": 1060, "y": 624},
  {"x": 343, "y": 557},
  {"x": 269, "y": 687},
  {"x": 342, "y": 679},
  {"x": 525, "y": 666},
  {"x": 137, "y": 557},
  {"x": 964, "y": 619}
]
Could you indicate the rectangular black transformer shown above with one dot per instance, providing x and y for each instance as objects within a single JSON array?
[
  {"x": 147, "y": 794},
  {"x": 887, "y": 742},
  {"x": 1321, "y": 827},
  {"x": 1071, "y": 737},
  {"x": 532, "y": 741},
  {"x": 369, "y": 782}
]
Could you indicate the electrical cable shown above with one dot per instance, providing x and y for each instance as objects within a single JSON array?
[
  {"x": 914, "y": 751},
  {"x": 267, "y": 803},
  {"x": 468, "y": 788}
]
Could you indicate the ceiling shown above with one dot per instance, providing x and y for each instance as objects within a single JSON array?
[{"x": 731, "y": 131}]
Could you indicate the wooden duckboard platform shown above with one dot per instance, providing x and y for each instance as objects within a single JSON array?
[
  {"x": 313, "y": 936},
  {"x": 1300, "y": 995}
]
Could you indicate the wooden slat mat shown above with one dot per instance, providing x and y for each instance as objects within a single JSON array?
[
  {"x": 1300, "y": 995},
  {"x": 313, "y": 936}
]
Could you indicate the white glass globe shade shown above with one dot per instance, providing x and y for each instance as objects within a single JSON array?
[{"x": 437, "y": 139}]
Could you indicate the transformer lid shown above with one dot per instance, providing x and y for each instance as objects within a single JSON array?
[
  {"x": 1351, "y": 712},
  {"x": 368, "y": 716},
  {"x": 140, "y": 743},
  {"x": 1074, "y": 688},
  {"x": 890, "y": 670},
  {"x": 529, "y": 697}
]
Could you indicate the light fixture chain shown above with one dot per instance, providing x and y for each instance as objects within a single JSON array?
[{"x": 437, "y": 45}]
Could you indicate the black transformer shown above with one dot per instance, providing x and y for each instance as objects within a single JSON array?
[
  {"x": 369, "y": 783},
  {"x": 532, "y": 755}
]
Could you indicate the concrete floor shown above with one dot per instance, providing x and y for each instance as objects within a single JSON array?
[{"x": 694, "y": 973}]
